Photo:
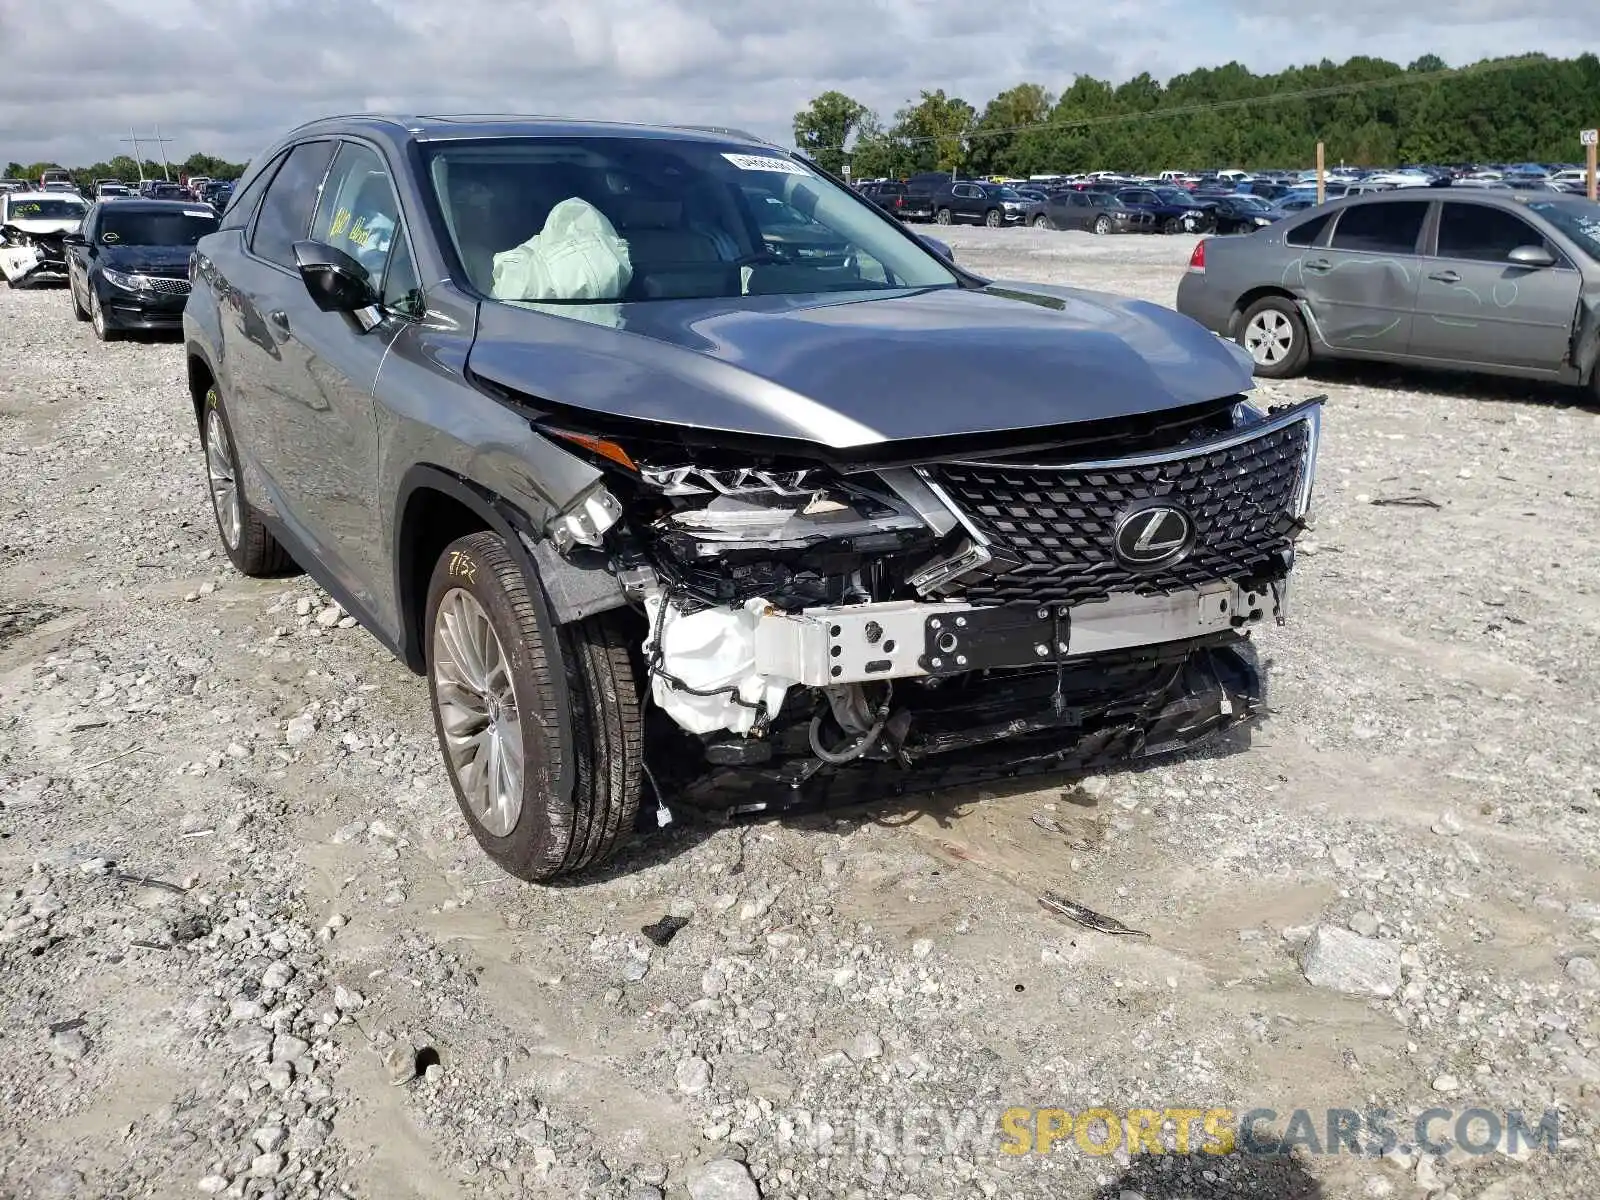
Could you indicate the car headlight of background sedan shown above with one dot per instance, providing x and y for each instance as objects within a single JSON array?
[{"x": 126, "y": 281}]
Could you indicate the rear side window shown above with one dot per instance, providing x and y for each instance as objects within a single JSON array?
[
  {"x": 290, "y": 200},
  {"x": 1308, "y": 231},
  {"x": 1381, "y": 228},
  {"x": 1483, "y": 234},
  {"x": 243, "y": 204}
]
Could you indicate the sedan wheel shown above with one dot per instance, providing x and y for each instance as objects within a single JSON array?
[
  {"x": 1102, "y": 225},
  {"x": 478, "y": 715},
  {"x": 1273, "y": 334},
  {"x": 97, "y": 315},
  {"x": 1041, "y": 222}
]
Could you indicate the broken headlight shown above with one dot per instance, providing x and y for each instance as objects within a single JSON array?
[{"x": 780, "y": 511}]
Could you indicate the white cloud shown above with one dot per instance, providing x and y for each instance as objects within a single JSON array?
[{"x": 225, "y": 76}]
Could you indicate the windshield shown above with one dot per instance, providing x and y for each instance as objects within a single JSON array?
[
  {"x": 1172, "y": 195},
  {"x": 1251, "y": 202},
  {"x": 602, "y": 220},
  {"x": 1578, "y": 219},
  {"x": 46, "y": 210},
  {"x": 999, "y": 192},
  {"x": 180, "y": 227}
]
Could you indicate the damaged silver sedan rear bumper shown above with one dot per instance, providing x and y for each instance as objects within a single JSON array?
[{"x": 861, "y": 643}]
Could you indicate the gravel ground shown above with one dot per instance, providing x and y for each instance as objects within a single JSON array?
[{"x": 248, "y": 948}]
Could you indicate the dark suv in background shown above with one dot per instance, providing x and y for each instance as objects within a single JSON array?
[{"x": 587, "y": 423}]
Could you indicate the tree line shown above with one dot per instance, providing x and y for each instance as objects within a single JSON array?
[
  {"x": 1367, "y": 112},
  {"x": 126, "y": 168}
]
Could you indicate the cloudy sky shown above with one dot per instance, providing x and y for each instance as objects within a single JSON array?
[{"x": 224, "y": 76}]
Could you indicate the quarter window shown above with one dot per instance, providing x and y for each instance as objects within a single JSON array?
[
  {"x": 290, "y": 200},
  {"x": 1483, "y": 234},
  {"x": 1381, "y": 228},
  {"x": 243, "y": 204},
  {"x": 1307, "y": 232}
]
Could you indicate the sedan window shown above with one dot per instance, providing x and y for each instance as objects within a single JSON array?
[
  {"x": 1307, "y": 232},
  {"x": 1483, "y": 234},
  {"x": 601, "y": 220},
  {"x": 1381, "y": 228}
]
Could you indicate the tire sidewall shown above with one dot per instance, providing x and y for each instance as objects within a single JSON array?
[
  {"x": 536, "y": 846},
  {"x": 1295, "y": 361}
]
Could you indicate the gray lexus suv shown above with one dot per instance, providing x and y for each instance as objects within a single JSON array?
[{"x": 687, "y": 476}]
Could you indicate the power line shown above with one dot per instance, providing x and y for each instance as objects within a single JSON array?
[{"x": 1343, "y": 89}]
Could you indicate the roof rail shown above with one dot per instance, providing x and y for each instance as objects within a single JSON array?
[{"x": 726, "y": 130}]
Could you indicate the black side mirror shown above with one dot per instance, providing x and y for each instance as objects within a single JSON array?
[
  {"x": 942, "y": 249},
  {"x": 1532, "y": 256},
  {"x": 337, "y": 282},
  {"x": 74, "y": 239}
]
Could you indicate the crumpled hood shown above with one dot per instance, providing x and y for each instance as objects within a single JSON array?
[
  {"x": 46, "y": 224},
  {"x": 857, "y": 369},
  {"x": 163, "y": 260}
]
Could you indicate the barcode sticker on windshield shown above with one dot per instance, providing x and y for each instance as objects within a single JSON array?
[
  {"x": 198, "y": 212},
  {"x": 763, "y": 162}
]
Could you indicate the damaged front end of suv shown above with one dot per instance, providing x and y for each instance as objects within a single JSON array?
[{"x": 822, "y": 624}]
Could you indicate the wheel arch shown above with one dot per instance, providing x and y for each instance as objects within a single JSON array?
[
  {"x": 201, "y": 380},
  {"x": 433, "y": 508},
  {"x": 1243, "y": 303}
]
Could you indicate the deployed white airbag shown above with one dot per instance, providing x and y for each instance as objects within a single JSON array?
[
  {"x": 576, "y": 256},
  {"x": 710, "y": 651}
]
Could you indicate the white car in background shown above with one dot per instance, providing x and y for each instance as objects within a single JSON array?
[{"x": 32, "y": 225}]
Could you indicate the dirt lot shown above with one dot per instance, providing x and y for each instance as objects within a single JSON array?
[{"x": 239, "y": 910}]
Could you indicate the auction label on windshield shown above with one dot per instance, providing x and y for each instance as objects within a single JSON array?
[{"x": 763, "y": 162}]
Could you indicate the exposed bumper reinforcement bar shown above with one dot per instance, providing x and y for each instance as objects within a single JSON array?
[{"x": 896, "y": 639}]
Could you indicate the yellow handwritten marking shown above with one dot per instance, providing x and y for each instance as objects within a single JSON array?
[
  {"x": 340, "y": 220},
  {"x": 463, "y": 566}
]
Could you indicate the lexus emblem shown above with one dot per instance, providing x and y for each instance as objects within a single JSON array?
[{"x": 1152, "y": 537}]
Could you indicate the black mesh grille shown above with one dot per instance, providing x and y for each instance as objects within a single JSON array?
[{"x": 1060, "y": 522}]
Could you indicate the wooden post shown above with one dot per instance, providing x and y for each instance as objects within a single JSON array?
[
  {"x": 1322, "y": 181},
  {"x": 1592, "y": 170}
]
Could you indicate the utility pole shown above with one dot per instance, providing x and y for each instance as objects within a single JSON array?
[
  {"x": 161, "y": 144},
  {"x": 1591, "y": 146},
  {"x": 138, "y": 162},
  {"x": 1322, "y": 175}
]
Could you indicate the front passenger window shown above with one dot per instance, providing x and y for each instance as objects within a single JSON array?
[{"x": 358, "y": 213}]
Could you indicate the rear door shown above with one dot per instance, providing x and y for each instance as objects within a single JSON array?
[
  {"x": 1362, "y": 288},
  {"x": 1476, "y": 306}
]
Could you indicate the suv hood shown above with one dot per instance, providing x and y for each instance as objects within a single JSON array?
[{"x": 858, "y": 369}]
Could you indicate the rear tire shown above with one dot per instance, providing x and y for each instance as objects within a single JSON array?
[
  {"x": 1273, "y": 333},
  {"x": 78, "y": 310},
  {"x": 246, "y": 540},
  {"x": 499, "y": 736}
]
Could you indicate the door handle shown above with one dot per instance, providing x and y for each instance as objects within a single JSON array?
[
  {"x": 1445, "y": 277},
  {"x": 1319, "y": 264}
]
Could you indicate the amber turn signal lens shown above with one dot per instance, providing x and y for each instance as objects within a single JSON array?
[{"x": 600, "y": 446}]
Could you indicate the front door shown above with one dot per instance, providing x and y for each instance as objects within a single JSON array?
[
  {"x": 1362, "y": 289},
  {"x": 1476, "y": 306}
]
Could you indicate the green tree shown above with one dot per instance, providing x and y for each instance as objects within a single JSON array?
[
  {"x": 935, "y": 130},
  {"x": 995, "y": 135},
  {"x": 823, "y": 128}
]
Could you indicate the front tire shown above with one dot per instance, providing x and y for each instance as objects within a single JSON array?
[
  {"x": 1273, "y": 333},
  {"x": 942, "y": 217},
  {"x": 992, "y": 218},
  {"x": 248, "y": 543},
  {"x": 97, "y": 316},
  {"x": 492, "y": 666},
  {"x": 1041, "y": 222},
  {"x": 1102, "y": 225},
  {"x": 78, "y": 310}
]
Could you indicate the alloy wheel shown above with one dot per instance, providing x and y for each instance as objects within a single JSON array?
[
  {"x": 1103, "y": 225},
  {"x": 98, "y": 315},
  {"x": 478, "y": 711},
  {"x": 224, "y": 480},
  {"x": 942, "y": 217},
  {"x": 992, "y": 220},
  {"x": 1269, "y": 337}
]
